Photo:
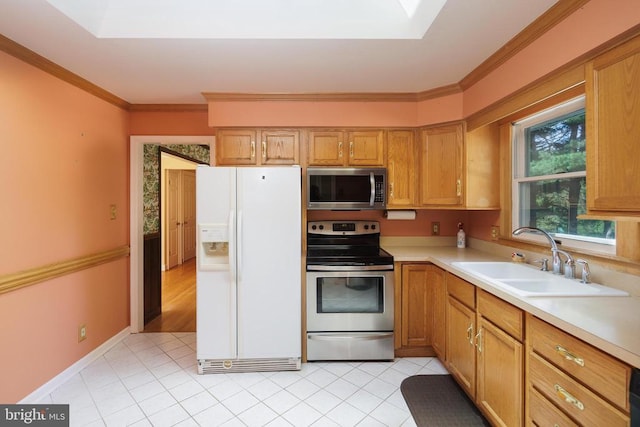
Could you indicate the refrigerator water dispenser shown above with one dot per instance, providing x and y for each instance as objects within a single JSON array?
[{"x": 214, "y": 246}]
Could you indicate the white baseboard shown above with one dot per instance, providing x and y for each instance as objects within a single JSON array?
[{"x": 46, "y": 389}]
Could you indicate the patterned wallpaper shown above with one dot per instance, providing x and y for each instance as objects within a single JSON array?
[{"x": 151, "y": 179}]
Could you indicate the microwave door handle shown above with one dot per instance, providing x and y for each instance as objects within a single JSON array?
[{"x": 372, "y": 181}]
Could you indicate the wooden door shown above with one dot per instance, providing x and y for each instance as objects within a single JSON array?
[
  {"x": 441, "y": 166},
  {"x": 236, "y": 147},
  {"x": 172, "y": 224},
  {"x": 325, "y": 149},
  {"x": 401, "y": 168},
  {"x": 461, "y": 354},
  {"x": 500, "y": 375},
  {"x": 280, "y": 147},
  {"x": 366, "y": 148},
  {"x": 188, "y": 215}
]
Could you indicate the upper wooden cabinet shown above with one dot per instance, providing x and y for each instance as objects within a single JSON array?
[
  {"x": 401, "y": 168},
  {"x": 337, "y": 148},
  {"x": 460, "y": 170},
  {"x": 236, "y": 147},
  {"x": 613, "y": 131},
  {"x": 441, "y": 158},
  {"x": 280, "y": 147}
]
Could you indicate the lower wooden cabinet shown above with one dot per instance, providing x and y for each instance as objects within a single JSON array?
[
  {"x": 517, "y": 369},
  {"x": 500, "y": 360},
  {"x": 485, "y": 352},
  {"x": 420, "y": 305},
  {"x": 583, "y": 384}
]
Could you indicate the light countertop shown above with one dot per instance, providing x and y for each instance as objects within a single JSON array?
[{"x": 608, "y": 323}]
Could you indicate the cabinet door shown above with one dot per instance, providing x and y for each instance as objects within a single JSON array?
[
  {"x": 461, "y": 352},
  {"x": 401, "y": 168},
  {"x": 236, "y": 147},
  {"x": 366, "y": 148},
  {"x": 279, "y": 147},
  {"x": 613, "y": 129},
  {"x": 417, "y": 303},
  {"x": 500, "y": 371},
  {"x": 441, "y": 166},
  {"x": 325, "y": 149},
  {"x": 436, "y": 278}
]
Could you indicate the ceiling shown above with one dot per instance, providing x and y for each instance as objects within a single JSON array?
[{"x": 390, "y": 46}]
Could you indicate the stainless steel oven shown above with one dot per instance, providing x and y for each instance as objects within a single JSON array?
[{"x": 349, "y": 292}]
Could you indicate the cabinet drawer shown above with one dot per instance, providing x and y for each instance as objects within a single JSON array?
[
  {"x": 461, "y": 290},
  {"x": 597, "y": 370},
  {"x": 574, "y": 399},
  {"x": 502, "y": 314},
  {"x": 544, "y": 413}
]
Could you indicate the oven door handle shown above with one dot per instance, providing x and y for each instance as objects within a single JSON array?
[
  {"x": 387, "y": 267},
  {"x": 372, "y": 181},
  {"x": 352, "y": 337}
]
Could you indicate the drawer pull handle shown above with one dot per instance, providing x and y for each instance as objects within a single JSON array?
[
  {"x": 569, "y": 356},
  {"x": 564, "y": 394}
]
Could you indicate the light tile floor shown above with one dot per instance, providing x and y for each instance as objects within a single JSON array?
[{"x": 151, "y": 379}]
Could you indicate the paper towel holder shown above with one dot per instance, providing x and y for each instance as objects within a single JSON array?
[{"x": 403, "y": 214}]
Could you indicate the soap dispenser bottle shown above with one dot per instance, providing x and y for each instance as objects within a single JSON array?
[{"x": 461, "y": 237}]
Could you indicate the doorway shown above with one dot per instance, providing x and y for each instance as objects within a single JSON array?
[
  {"x": 137, "y": 218},
  {"x": 170, "y": 304}
]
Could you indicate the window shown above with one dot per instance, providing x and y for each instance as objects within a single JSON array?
[{"x": 549, "y": 177}]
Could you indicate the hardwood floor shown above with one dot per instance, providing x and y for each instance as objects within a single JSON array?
[{"x": 178, "y": 300}]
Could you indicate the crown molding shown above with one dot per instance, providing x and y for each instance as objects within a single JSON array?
[
  {"x": 172, "y": 108},
  {"x": 530, "y": 34},
  {"x": 30, "y": 57}
]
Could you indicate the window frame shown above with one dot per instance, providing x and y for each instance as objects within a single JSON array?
[{"x": 517, "y": 144}]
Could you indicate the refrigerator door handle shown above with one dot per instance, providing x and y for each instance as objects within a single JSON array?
[
  {"x": 239, "y": 245},
  {"x": 232, "y": 245}
]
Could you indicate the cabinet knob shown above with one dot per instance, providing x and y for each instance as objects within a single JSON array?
[
  {"x": 264, "y": 150},
  {"x": 351, "y": 149},
  {"x": 340, "y": 149},
  {"x": 253, "y": 149}
]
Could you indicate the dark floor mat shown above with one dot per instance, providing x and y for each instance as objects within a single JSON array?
[{"x": 438, "y": 401}]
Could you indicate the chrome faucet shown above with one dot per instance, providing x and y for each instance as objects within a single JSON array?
[
  {"x": 556, "y": 262},
  {"x": 569, "y": 265}
]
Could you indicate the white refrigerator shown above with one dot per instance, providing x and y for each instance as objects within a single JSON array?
[{"x": 248, "y": 269}]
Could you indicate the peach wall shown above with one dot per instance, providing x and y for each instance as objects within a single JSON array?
[
  {"x": 306, "y": 113},
  {"x": 170, "y": 123},
  {"x": 592, "y": 25},
  {"x": 64, "y": 162}
]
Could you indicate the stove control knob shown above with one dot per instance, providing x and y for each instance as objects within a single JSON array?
[
  {"x": 373, "y": 226},
  {"x": 366, "y": 226},
  {"x": 321, "y": 227},
  {"x": 313, "y": 227}
]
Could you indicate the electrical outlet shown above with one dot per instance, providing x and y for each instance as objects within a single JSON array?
[
  {"x": 435, "y": 228},
  {"x": 113, "y": 212},
  {"x": 495, "y": 232},
  {"x": 82, "y": 333}
]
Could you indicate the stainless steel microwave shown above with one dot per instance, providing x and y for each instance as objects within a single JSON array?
[{"x": 346, "y": 188}]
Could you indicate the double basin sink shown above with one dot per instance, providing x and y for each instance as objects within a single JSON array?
[{"x": 528, "y": 281}]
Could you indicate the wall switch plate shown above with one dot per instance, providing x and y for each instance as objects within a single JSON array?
[
  {"x": 495, "y": 232},
  {"x": 82, "y": 333},
  {"x": 435, "y": 228},
  {"x": 113, "y": 212}
]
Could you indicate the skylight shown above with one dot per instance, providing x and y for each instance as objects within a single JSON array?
[{"x": 253, "y": 19}]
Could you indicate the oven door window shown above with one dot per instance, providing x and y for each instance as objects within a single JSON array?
[{"x": 350, "y": 294}]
